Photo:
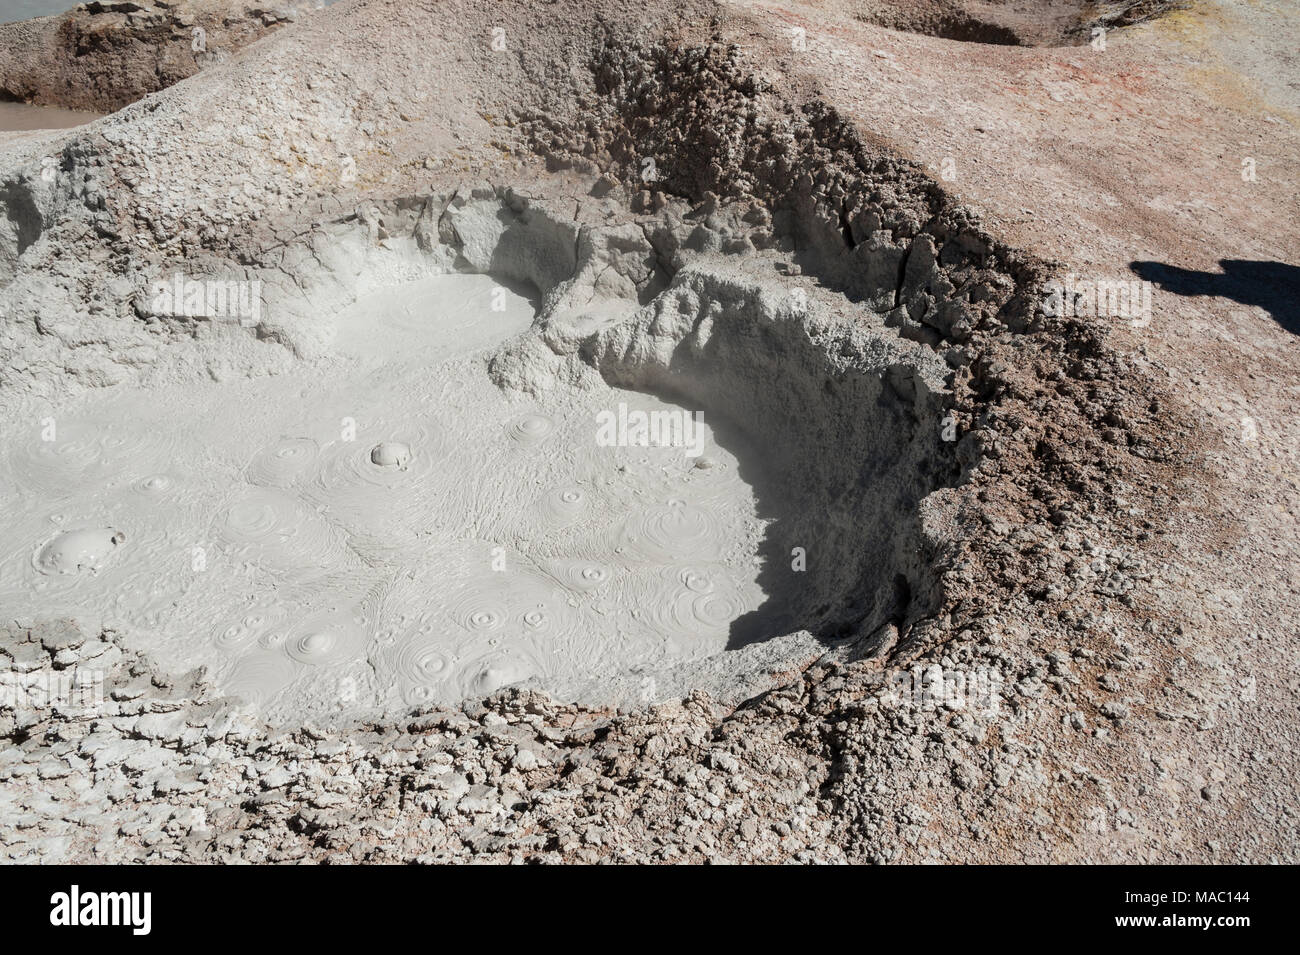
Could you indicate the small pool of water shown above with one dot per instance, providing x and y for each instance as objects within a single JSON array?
[
  {"x": 18, "y": 117},
  {"x": 13, "y": 10}
]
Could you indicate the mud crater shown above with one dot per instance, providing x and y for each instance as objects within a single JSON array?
[{"x": 617, "y": 457}]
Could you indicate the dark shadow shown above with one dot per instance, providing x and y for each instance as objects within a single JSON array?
[
  {"x": 837, "y": 462},
  {"x": 876, "y": 520},
  {"x": 970, "y": 30},
  {"x": 1272, "y": 286}
]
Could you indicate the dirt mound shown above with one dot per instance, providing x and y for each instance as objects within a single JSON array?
[{"x": 103, "y": 55}]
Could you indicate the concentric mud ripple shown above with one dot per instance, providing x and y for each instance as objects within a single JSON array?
[
  {"x": 387, "y": 507},
  {"x": 277, "y": 531},
  {"x": 713, "y": 612},
  {"x": 421, "y": 665},
  {"x": 543, "y": 617},
  {"x": 492, "y": 671},
  {"x": 511, "y": 602},
  {"x": 582, "y": 576},
  {"x": 530, "y": 429},
  {"x": 481, "y": 614},
  {"x": 538, "y": 608},
  {"x": 421, "y": 661},
  {"x": 250, "y": 625},
  {"x": 674, "y": 532},
  {"x": 77, "y": 456},
  {"x": 258, "y": 677},
  {"x": 479, "y": 608},
  {"x": 82, "y": 454},
  {"x": 338, "y": 634},
  {"x": 350, "y": 465},
  {"x": 695, "y": 607},
  {"x": 127, "y": 449},
  {"x": 553, "y": 518},
  {"x": 283, "y": 462},
  {"x": 699, "y": 580},
  {"x": 155, "y": 487},
  {"x": 564, "y": 506},
  {"x": 328, "y": 639}
]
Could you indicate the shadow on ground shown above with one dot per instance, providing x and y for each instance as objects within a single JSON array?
[{"x": 1272, "y": 286}]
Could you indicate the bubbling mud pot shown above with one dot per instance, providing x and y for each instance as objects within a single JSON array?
[
  {"x": 391, "y": 528},
  {"x": 520, "y": 451}
]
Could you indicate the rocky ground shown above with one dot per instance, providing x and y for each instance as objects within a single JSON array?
[{"x": 1115, "y": 562}]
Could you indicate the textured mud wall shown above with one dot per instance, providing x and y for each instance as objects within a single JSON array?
[{"x": 696, "y": 123}]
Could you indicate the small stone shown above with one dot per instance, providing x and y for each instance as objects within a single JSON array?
[
  {"x": 1113, "y": 710},
  {"x": 61, "y": 635},
  {"x": 27, "y": 657},
  {"x": 53, "y": 769},
  {"x": 65, "y": 658},
  {"x": 525, "y": 761}
]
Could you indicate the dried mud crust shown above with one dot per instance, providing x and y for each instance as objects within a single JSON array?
[
  {"x": 1008, "y": 22},
  {"x": 1053, "y": 556}
]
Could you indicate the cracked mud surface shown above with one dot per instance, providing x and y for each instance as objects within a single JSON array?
[{"x": 1095, "y": 552}]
